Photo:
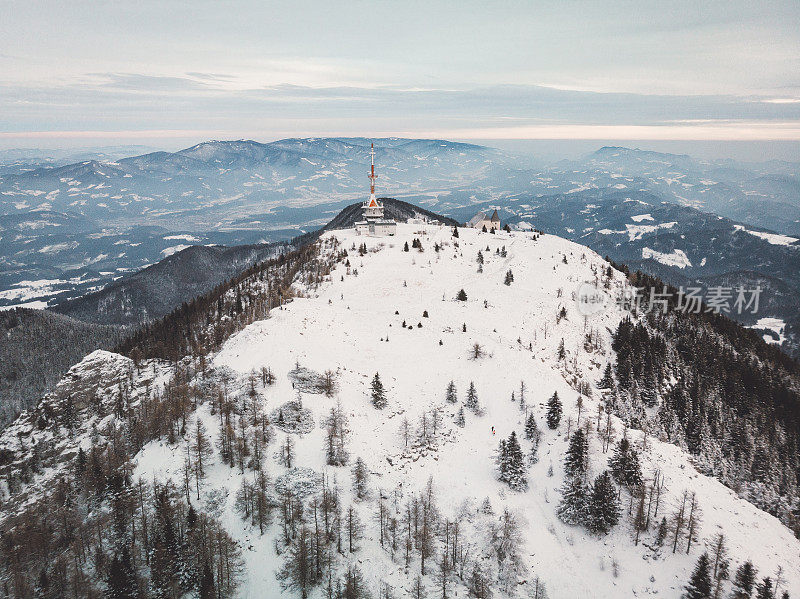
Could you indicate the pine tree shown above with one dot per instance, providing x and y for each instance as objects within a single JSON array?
[
  {"x": 460, "y": 420},
  {"x": 603, "y": 505},
  {"x": 455, "y": 232},
  {"x": 744, "y": 581},
  {"x": 624, "y": 465},
  {"x": 764, "y": 589},
  {"x": 501, "y": 459},
  {"x": 531, "y": 430},
  {"x": 513, "y": 466},
  {"x": 121, "y": 582},
  {"x": 577, "y": 458},
  {"x": 462, "y": 296},
  {"x": 479, "y": 583},
  {"x": 661, "y": 535},
  {"x": 378, "y": 393},
  {"x": 509, "y": 278},
  {"x": 472, "y": 398},
  {"x": 405, "y": 246},
  {"x": 699, "y": 586},
  {"x": 554, "y": 410},
  {"x": 573, "y": 508},
  {"x": 451, "y": 395},
  {"x": 607, "y": 382},
  {"x": 562, "y": 354}
]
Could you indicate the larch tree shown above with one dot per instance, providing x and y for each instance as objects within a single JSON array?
[
  {"x": 201, "y": 451},
  {"x": 360, "y": 479}
]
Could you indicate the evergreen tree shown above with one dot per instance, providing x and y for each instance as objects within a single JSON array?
[
  {"x": 455, "y": 232},
  {"x": 460, "y": 420},
  {"x": 744, "y": 581},
  {"x": 451, "y": 395},
  {"x": 764, "y": 589},
  {"x": 577, "y": 458},
  {"x": 573, "y": 507},
  {"x": 661, "y": 535},
  {"x": 531, "y": 430},
  {"x": 603, "y": 505},
  {"x": 624, "y": 465},
  {"x": 509, "y": 278},
  {"x": 479, "y": 583},
  {"x": 502, "y": 460},
  {"x": 378, "y": 393},
  {"x": 462, "y": 296},
  {"x": 607, "y": 382},
  {"x": 121, "y": 581},
  {"x": 472, "y": 398},
  {"x": 405, "y": 246},
  {"x": 562, "y": 353},
  {"x": 699, "y": 586},
  {"x": 554, "y": 410},
  {"x": 512, "y": 464}
]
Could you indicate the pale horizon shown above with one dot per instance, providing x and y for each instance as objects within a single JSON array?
[{"x": 721, "y": 72}]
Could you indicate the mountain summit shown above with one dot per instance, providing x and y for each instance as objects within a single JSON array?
[{"x": 427, "y": 413}]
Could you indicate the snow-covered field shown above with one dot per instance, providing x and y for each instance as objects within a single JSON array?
[
  {"x": 773, "y": 238},
  {"x": 676, "y": 258},
  {"x": 353, "y": 325}
]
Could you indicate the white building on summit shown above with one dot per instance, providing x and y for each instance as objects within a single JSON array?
[
  {"x": 482, "y": 219},
  {"x": 374, "y": 223}
]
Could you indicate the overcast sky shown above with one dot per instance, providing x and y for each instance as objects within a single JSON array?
[{"x": 174, "y": 72}]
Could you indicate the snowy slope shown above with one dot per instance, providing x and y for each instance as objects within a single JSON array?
[{"x": 352, "y": 325}]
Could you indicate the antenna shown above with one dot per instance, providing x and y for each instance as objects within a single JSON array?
[{"x": 372, "y": 175}]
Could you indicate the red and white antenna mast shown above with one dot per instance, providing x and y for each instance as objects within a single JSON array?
[{"x": 372, "y": 175}]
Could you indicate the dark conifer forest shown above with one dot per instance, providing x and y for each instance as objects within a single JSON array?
[{"x": 705, "y": 383}]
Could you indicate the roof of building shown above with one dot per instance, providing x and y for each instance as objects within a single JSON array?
[{"x": 480, "y": 217}]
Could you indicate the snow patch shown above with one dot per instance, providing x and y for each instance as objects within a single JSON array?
[{"x": 676, "y": 258}]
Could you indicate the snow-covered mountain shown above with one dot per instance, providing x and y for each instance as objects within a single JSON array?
[
  {"x": 682, "y": 245},
  {"x": 254, "y": 430},
  {"x": 69, "y": 229}
]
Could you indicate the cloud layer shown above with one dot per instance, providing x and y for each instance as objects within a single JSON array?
[{"x": 618, "y": 69}]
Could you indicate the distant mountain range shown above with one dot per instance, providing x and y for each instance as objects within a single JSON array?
[{"x": 67, "y": 230}]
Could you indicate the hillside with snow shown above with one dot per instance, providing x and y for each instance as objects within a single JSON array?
[{"x": 268, "y": 397}]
